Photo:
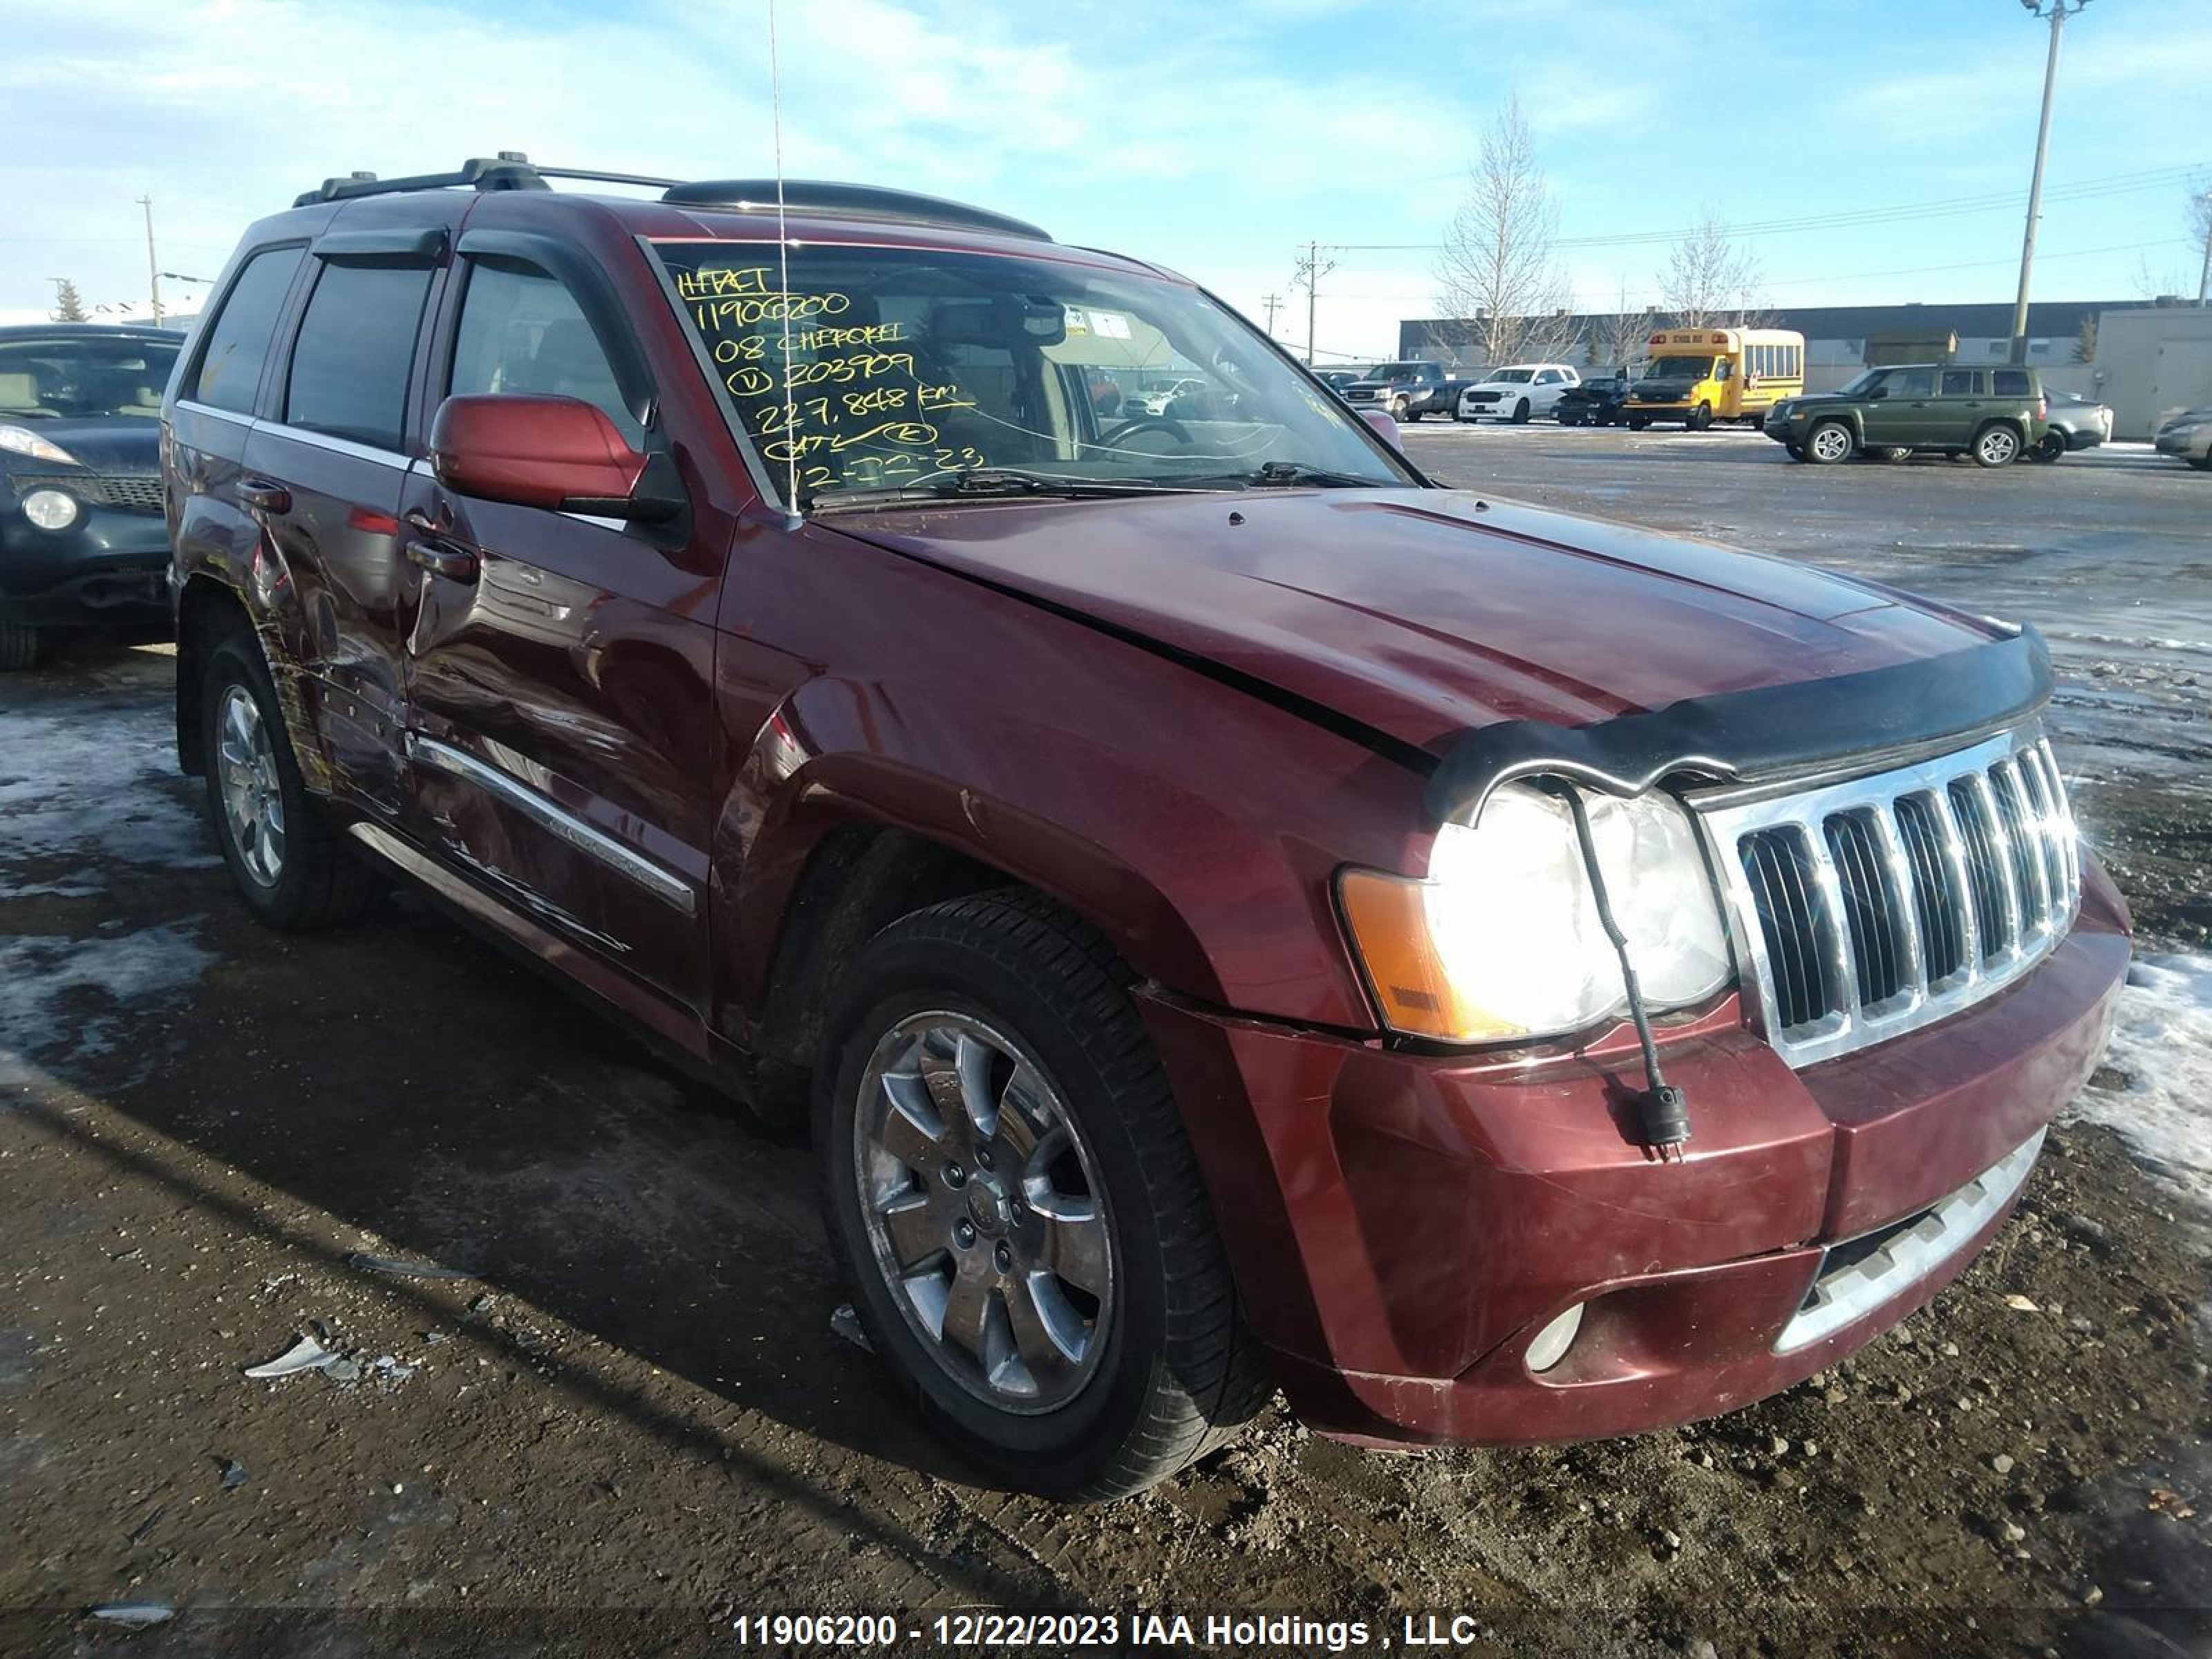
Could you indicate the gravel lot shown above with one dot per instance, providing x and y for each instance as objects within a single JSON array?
[{"x": 631, "y": 1420}]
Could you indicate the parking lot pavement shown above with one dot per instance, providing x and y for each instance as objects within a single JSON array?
[{"x": 632, "y": 1398}]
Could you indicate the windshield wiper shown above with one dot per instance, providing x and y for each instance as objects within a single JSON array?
[
  {"x": 1278, "y": 475},
  {"x": 979, "y": 483}
]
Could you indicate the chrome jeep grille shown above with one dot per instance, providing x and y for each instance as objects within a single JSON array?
[{"x": 1868, "y": 908}]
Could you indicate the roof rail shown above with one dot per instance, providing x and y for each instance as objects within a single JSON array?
[
  {"x": 857, "y": 201},
  {"x": 508, "y": 170}
]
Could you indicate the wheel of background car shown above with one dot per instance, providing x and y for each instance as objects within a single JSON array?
[
  {"x": 1829, "y": 442},
  {"x": 1638, "y": 422},
  {"x": 1174, "y": 428},
  {"x": 2201, "y": 463},
  {"x": 1016, "y": 1206},
  {"x": 283, "y": 854},
  {"x": 2050, "y": 447},
  {"x": 1795, "y": 452},
  {"x": 1996, "y": 445},
  {"x": 19, "y": 647},
  {"x": 1521, "y": 413},
  {"x": 1896, "y": 453},
  {"x": 1699, "y": 418},
  {"x": 1397, "y": 409}
]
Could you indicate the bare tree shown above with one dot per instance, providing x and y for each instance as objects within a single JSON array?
[
  {"x": 1499, "y": 267},
  {"x": 1710, "y": 279},
  {"x": 69, "y": 304},
  {"x": 1622, "y": 336},
  {"x": 2200, "y": 235}
]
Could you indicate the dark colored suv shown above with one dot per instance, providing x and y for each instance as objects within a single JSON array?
[
  {"x": 1231, "y": 912},
  {"x": 81, "y": 541},
  {"x": 1995, "y": 414}
]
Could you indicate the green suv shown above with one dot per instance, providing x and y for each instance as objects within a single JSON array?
[{"x": 1994, "y": 414}]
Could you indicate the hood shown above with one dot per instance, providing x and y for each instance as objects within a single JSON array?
[
  {"x": 1423, "y": 614},
  {"x": 118, "y": 444}
]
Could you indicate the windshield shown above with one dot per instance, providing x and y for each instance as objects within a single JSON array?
[
  {"x": 880, "y": 368},
  {"x": 83, "y": 377},
  {"x": 1678, "y": 369},
  {"x": 1512, "y": 376}
]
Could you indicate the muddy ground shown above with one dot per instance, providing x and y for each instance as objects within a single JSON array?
[{"x": 630, "y": 1421}]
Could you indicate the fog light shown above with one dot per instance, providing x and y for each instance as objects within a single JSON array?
[
  {"x": 1552, "y": 1343},
  {"x": 51, "y": 509}
]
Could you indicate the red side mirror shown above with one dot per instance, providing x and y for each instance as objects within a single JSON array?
[
  {"x": 553, "y": 453},
  {"x": 1382, "y": 424}
]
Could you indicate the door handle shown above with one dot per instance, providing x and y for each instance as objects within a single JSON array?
[
  {"x": 455, "y": 564},
  {"x": 267, "y": 497}
]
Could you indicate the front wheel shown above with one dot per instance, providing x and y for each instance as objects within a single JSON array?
[
  {"x": 1398, "y": 410},
  {"x": 19, "y": 647},
  {"x": 2051, "y": 446},
  {"x": 283, "y": 851},
  {"x": 1638, "y": 422},
  {"x": 1699, "y": 418},
  {"x": 1830, "y": 442},
  {"x": 1018, "y": 1209},
  {"x": 1996, "y": 446}
]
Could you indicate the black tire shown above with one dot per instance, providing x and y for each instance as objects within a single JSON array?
[
  {"x": 19, "y": 647},
  {"x": 1521, "y": 413},
  {"x": 1699, "y": 418},
  {"x": 1996, "y": 445},
  {"x": 1179, "y": 1372},
  {"x": 2201, "y": 463},
  {"x": 318, "y": 882},
  {"x": 1795, "y": 452},
  {"x": 2051, "y": 446},
  {"x": 1822, "y": 447},
  {"x": 1638, "y": 422}
]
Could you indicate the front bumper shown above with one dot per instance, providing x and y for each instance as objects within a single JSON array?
[
  {"x": 108, "y": 569},
  {"x": 2185, "y": 445},
  {"x": 1402, "y": 1226}
]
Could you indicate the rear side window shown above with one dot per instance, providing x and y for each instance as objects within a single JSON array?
[
  {"x": 356, "y": 345},
  {"x": 2013, "y": 383},
  {"x": 523, "y": 331},
  {"x": 229, "y": 372},
  {"x": 1959, "y": 383}
]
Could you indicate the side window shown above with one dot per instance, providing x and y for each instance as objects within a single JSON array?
[
  {"x": 357, "y": 346},
  {"x": 229, "y": 370},
  {"x": 522, "y": 331},
  {"x": 1912, "y": 383},
  {"x": 2012, "y": 383},
  {"x": 1959, "y": 383},
  {"x": 1725, "y": 369}
]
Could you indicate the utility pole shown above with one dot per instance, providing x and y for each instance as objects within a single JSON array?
[
  {"x": 1273, "y": 302},
  {"x": 152, "y": 264},
  {"x": 2057, "y": 13},
  {"x": 1310, "y": 269}
]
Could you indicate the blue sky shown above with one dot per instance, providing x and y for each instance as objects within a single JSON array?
[{"x": 1211, "y": 137}]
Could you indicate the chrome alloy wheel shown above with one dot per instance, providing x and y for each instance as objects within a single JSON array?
[
  {"x": 252, "y": 794},
  {"x": 985, "y": 1212},
  {"x": 1831, "y": 443}
]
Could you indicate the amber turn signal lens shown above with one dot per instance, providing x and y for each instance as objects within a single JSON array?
[{"x": 1389, "y": 923}]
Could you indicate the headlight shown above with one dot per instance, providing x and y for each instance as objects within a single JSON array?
[
  {"x": 52, "y": 509},
  {"x": 1503, "y": 940},
  {"x": 24, "y": 441}
]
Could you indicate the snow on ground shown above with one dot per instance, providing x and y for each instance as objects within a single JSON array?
[
  {"x": 2163, "y": 1048},
  {"x": 63, "y": 1000},
  {"x": 86, "y": 783}
]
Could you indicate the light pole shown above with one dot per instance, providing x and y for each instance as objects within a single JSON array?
[
  {"x": 2204, "y": 270},
  {"x": 2058, "y": 12}
]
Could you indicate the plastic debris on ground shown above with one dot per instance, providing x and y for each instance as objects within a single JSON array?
[
  {"x": 234, "y": 1474},
  {"x": 305, "y": 1355},
  {"x": 398, "y": 1268},
  {"x": 847, "y": 1324},
  {"x": 133, "y": 1612}
]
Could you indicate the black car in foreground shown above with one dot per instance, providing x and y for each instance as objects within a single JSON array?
[
  {"x": 1598, "y": 402},
  {"x": 83, "y": 544}
]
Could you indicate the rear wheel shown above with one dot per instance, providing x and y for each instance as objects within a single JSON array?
[
  {"x": 282, "y": 850},
  {"x": 1017, "y": 1206},
  {"x": 1829, "y": 442},
  {"x": 2048, "y": 448},
  {"x": 19, "y": 646},
  {"x": 1996, "y": 446}
]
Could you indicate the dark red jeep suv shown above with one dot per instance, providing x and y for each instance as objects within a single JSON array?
[{"x": 1237, "y": 915}]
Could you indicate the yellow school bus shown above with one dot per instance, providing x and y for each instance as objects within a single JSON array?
[{"x": 1700, "y": 376}]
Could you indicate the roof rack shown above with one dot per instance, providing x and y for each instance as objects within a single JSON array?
[
  {"x": 509, "y": 170},
  {"x": 512, "y": 170},
  {"x": 853, "y": 201}
]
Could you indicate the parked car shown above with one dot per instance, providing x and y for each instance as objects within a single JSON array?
[
  {"x": 1158, "y": 399},
  {"x": 1600, "y": 401},
  {"x": 81, "y": 541},
  {"x": 2076, "y": 422},
  {"x": 1177, "y": 890},
  {"x": 2188, "y": 437},
  {"x": 1517, "y": 393},
  {"x": 1994, "y": 414},
  {"x": 1406, "y": 391},
  {"x": 1336, "y": 380}
]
